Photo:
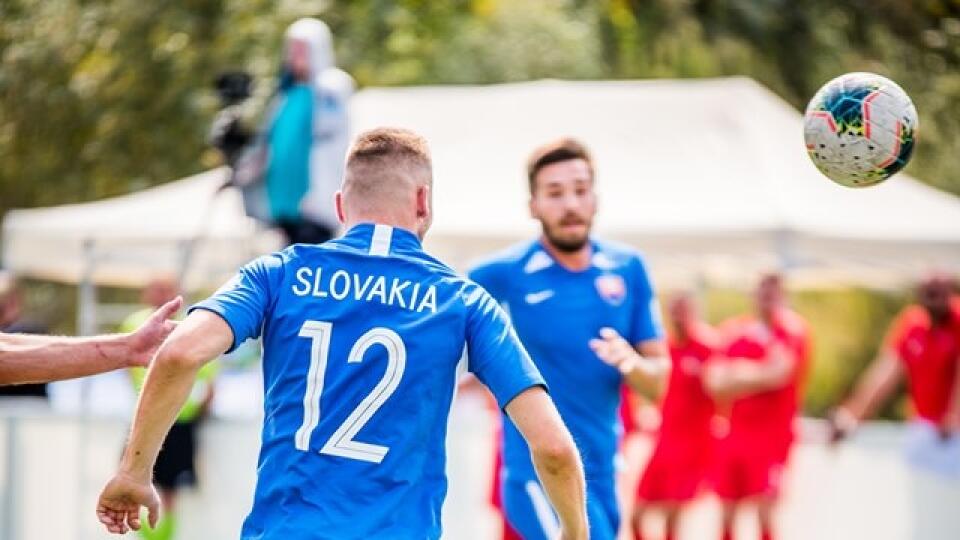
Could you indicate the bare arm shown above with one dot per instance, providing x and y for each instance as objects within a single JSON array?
[
  {"x": 645, "y": 367},
  {"x": 740, "y": 377},
  {"x": 555, "y": 458},
  {"x": 31, "y": 359},
  {"x": 873, "y": 388},
  {"x": 951, "y": 421},
  {"x": 201, "y": 337}
]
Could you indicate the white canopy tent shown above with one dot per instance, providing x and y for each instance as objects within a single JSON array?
[
  {"x": 709, "y": 177},
  {"x": 128, "y": 240},
  {"x": 185, "y": 229}
]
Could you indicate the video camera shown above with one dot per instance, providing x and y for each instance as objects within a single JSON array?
[{"x": 227, "y": 133}]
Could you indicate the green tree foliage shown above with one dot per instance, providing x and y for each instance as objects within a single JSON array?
[{"x": 103, "y": 97}]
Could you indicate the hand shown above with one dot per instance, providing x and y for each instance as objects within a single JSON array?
[
  {"x": 949, "y": 427},
  {"x": 120, "y": 501},
  {"x": 614, "y": 350},
  {"x": 144, "y": 341},
  {"x": 841, "y": 424}
]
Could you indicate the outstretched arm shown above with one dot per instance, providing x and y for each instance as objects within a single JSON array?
[
  {"x": 201, "y": 337},
  {"x": 32, "y": 359},
  {"x": 739, "y": 377},
  {"x": 874, "y": 387},
  {"x": 555, "y": 458}
]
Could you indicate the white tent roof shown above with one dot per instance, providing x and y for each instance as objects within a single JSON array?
[
  {"x": 133, "y": 238},
  {"x": 708, "y": 177}
]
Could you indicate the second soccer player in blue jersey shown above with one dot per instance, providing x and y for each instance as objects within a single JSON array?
[{"x": 587, "y": 313}]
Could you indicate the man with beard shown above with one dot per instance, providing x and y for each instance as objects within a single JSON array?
[{"x": 587, "y": 313}]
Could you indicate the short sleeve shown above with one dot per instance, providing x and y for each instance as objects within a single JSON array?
[
  {"x": 243, "y": 301},
  {"x": 645, "y": 322},
  {"x": 490, "y": 277},
  {"x": 900, "y": 328},
  {"x": 495, "y": 354}
]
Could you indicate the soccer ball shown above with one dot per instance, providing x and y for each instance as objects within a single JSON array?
[{"x": 860, "y": 129}]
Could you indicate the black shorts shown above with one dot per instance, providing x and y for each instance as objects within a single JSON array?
[{"x": 175, "y": 463}]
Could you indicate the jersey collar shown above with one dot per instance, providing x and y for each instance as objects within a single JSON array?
[
  {"x": 381, "y": 240},
  {"x": 542, "y": 258}
]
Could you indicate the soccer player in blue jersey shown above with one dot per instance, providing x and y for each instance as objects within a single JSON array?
[
  {"x": 361, "y": 336},
  {"x": 587, "y": 313}
]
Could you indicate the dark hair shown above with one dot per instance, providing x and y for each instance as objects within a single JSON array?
[{"x": 556, "y": 151}]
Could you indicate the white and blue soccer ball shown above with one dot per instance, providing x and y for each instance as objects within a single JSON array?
[{"x": 860, "y": 129}]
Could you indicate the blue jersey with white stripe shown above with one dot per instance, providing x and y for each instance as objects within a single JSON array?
[
  {"x": 556, "y": 312},
  {"x": 361, "y": 340}
]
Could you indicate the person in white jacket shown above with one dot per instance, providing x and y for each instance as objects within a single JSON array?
[{"x": 306, "y": 135}]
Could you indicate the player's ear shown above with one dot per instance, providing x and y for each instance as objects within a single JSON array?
[
  {"x": 423, "y": 202},
  {"x": 424, "y": 209},
  {"x": 338, "y": 201}
]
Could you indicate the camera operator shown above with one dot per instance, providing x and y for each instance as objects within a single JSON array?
[{"x": 291, "y": 173}]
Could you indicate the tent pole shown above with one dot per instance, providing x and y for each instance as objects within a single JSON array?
[
  {"x": 87, "y": 316},
  {"x": 785, "y": 251},
  {"x": 86, "y": 326}
]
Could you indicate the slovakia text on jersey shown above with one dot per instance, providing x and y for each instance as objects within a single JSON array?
[{"x": 361, "y": 340}]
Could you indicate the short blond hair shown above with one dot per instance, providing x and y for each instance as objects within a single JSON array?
[{"x": 383, "y": 160}]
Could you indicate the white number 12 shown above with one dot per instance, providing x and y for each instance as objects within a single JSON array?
[{"x": 342, "y": 441}]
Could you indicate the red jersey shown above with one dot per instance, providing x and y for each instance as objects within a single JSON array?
[
  {"x": 929, "y": 355},
  {"x": 687, "y": 409},
  {"x": 769, "y": 415},
  {"x": 684, "y": 449}
]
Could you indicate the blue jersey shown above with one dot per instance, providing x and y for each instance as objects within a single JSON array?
[
  {"x": 556, "y": 312},
  {"x": 361, "y": 340}
]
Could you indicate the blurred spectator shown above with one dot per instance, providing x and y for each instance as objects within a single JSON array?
[
  {"x": 306, "y": 135},
  {"x": 681, "y": 457},
  {"x": 923, "y": 345},
  {"x": 759, "y": 380},
  {"x": 175, "y": 467},
  {"x": 12, "y": 321}
]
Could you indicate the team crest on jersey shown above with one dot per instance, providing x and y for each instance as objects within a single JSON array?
[{"x": 612, "y": 288}]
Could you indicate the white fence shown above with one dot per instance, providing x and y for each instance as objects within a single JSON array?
[{"x": 52, "y": 467}]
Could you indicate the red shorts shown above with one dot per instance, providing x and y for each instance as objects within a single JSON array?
[
  {"x": 741, "y": 471},
  {"x": 676, "y": 469}
]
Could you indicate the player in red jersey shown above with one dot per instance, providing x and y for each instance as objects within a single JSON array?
[
  {"x": 923, "y": 344},
  {"x": 681, "y": 457},
  {"x": 760, "y": 380}
]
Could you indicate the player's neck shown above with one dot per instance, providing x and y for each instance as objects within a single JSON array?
[
  {"x": 383, "y": 219},
  {"x": 571, "y": 260},
  {"x": 769, "y": 318}
]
